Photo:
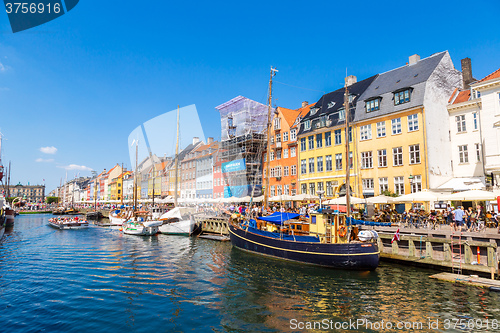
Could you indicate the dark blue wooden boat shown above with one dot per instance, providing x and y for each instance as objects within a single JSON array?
[{"x": 328, "y": 250}]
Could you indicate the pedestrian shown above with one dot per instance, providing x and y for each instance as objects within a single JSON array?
[{"x": 458, "y": 217}]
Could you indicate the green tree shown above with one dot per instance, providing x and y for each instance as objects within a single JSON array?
[
  {"x": 52, "y": 200},
  {"x": 390, "y": 194}
]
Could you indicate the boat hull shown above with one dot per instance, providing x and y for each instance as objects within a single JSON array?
[
  {"x": 184, "y": 228},
  {"x": 355, "y": 256},
  {"x": 68, "y": 226},
  {"x": 140, "y": 230},
  {"x": 9, "y": 217},
  {"x": 116, "y": 220}
]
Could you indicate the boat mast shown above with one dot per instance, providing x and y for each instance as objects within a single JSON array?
[
  {"x": 269, "y": 109},
  {"x": 135, "y": 174},
  {"x": 176, "y": 160},
  {"x": 8, "y": 182},
  {"x": 348, "y": 166},
  {"x": 121, "y": 196}
]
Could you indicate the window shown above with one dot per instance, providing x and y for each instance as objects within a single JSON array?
[
  {"x": 478, "y": 152},
  {"x": 338, "y": 161},
  {"x": 278, "y": 190},
  {"x": 413, "y": 122},
  {"x": 350, "y": 160},
  {"x": 312, "y": 189},
  {"x": 399, "y": 185},
  {"x": 476, "y": 94},
  {"x": 303, "y": 144},
  {"x": 272, "y": 140},
  {"x": 278, "y": 137},
  {"x": 319, "y": 161},
  {"x": 320, "y": 186},
  {"x": 285, "y": 153},
  {"x": 338, "y": 137},
  {"x": 278, "y": 154},
  {"x": 294, "y": 170},
  {"x": 382, "y": 158},
  {"x": 401, "y": 97},
  {"x": 307, "y": 125},
  {"x": 311, "y": 165},
  {"x": 342, "y": 114},
  {"x": 381, "y": 129},
  {"x": 397, "y": 154},
  {"x": 474, "y": 115},
  {"x": 319, "y": 140},
  {"x": 416, "y": 184},
  {"x": 303, "y": 188},
  {"x": 293, "y": 152},
  {"x": 463, "y": 154},
  {"x": 366, "y": 160},
  {"x": 366, "y": 132},
  {"x": 277, "y": 172},
  {"x": 368, "y": 184},
  {"x": 396, "y": 126},
  {"x": 461, "y": 123},
  {"x": 329, "y": 189},
  {"x": 287, "y": 189},
  {"x": 285, "y": 136},
  {"x": 285, "y": 171},
  {"x": 328, "y": 159},
  {"x": 293, "y": 134},
  {"x": 272, "y": 191},
  {"x": 328, "y": 139},
  {"x": 277, "y": 123},
  {"x": 303, "y": 167},
  {"x": 373, "y": 105},
  {"x": 310, "y": 140},
  {"x": 414, "y": 154},
  {"x": 350, "y": 134},
  {"x": 272, "y": 155},
  {"x": 383, "y": 184}
]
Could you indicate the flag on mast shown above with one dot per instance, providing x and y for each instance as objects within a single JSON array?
[{"x": 396, "y": 236}]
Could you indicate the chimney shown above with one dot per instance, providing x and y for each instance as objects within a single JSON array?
[
  {"x": 350, "y": 80},
  {"x": 413, "y": 59},
  {"x": 196, "y": 140},
  {"x": 210, "y": 140},
  {"x": 305, "y": 103},
  {"x": 467, "y": 73}
]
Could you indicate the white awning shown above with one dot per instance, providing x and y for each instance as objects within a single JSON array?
[{"x": 463, "y": 184}]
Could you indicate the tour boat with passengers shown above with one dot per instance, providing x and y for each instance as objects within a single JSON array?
[{"x": 68, "y": 223}]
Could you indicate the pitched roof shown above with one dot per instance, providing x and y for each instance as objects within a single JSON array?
[
  {"x": 462, "y": 96},
  {"x": 494, "y": 75}
]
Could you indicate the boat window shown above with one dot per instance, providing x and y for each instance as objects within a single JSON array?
[{"x": 313, "y": 219}]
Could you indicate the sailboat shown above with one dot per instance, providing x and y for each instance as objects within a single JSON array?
[
  {"x": 141, "y": 222},
  {"x": 326, "y": 239},
  {"x": 178, "y": 221},
  {"x": 3, "y": 201}
]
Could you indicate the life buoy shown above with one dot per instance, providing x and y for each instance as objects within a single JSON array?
[{"x": 342, "y": 231}]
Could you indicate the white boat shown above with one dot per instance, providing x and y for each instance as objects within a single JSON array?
[
  {"x": 64, "y": 223},
  {"x": 141, "y": 228},
  {"x": 178, "y": 221},
  {"x": 2, "y": 219},
  {"x": 119, "y": 216}
]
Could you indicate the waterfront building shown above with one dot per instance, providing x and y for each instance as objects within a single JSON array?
[
  {"x": 29, "y": 193},
  {"x": 321, "y": 142},
  {"x": 400, "y": 132},
  {"x": 218, "y": 182},
  {"x": 108, "y": 178},
  {"x": 283, "y": 155},
  {"x": 204, "y": 169},
  {"x": 465, "y": 138},
  {"x": 243, "y": 126},
  {"x": 188, "y": 169},
  {"x": 128, "y": 185}
]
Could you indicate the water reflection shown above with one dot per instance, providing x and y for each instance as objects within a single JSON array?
[{"x": 53, "y": 280}]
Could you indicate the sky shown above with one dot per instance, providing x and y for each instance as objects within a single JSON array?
[{"x": 73, "y": 89}]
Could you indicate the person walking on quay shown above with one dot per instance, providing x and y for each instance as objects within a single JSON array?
[{"x": 458, "y": 217}]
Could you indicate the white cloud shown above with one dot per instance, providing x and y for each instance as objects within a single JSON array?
[
  {"x": 42, "y": 160},
  {"x": 48, "y": 150},
  {"x": 2, "y": 68},
  {"x": 76, "y": 167}
]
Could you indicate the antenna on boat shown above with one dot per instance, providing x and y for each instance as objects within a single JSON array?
[{"x": 269, "y": 109}]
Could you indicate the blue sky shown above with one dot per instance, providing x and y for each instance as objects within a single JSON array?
[{"x": 84, "y": 81}]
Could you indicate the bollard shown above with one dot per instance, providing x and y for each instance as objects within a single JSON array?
[{"x": 478, "y": 256}]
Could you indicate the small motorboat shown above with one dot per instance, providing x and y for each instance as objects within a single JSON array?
[
  {"x": 178, "y": 221},
  {"x": 141, "y": 224},
  {"x": 68, "y": 223}
]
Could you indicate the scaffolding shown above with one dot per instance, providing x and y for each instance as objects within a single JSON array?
[{"x": 243, "y": 126}]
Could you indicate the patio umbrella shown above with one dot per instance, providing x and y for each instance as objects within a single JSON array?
[
  {"x": 282, "y": 197},
  {"x": 343, "y": 201},
  {"x": 471, "y": 195},
  {"x": 379, "y": 199},
  {"x": 423, "y": 196},
  {"x": 302, "y": 197}
]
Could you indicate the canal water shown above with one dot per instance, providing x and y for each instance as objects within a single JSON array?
[{"x": 98, "y": 280}]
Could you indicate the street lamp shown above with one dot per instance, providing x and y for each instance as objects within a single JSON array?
[{"x": 320, "y": 193}]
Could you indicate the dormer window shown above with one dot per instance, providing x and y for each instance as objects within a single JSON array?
[
  {"x": 475, "y": 94},
  {"x": 314, "y": 111},
  {"x": 341, "y": 113},
  {"x": 331, "y": 104},
  {"x": 307, "y": 125},
  {"x": 402, "y": 96},
  {"x": 373, "y": 105}
]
